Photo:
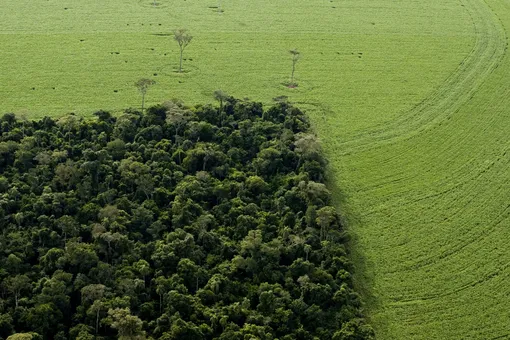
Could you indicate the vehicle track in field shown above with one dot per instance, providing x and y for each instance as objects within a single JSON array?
[
  {"x": 439, "y": 174},
  {"x": 488, "y": 50}
]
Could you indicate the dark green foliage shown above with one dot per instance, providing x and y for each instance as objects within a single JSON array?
[{"x": 180, "y": 223}]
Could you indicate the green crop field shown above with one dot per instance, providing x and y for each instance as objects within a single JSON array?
[{"x": 411, "y": 100}]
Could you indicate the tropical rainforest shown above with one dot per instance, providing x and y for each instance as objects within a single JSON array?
[{"x": 202, "y": 222}]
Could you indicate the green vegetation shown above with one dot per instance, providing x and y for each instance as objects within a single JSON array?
[
  {"x": 183, "y": 39},
  {"x": 409, "y": 97},
  {"x": 143, "y": 86},
  {"x": 428, "y": 199},
  {"x": 357, "y": 55},
  {"x": 181, "y": 223},
  {"x": 295, "y": 58}
]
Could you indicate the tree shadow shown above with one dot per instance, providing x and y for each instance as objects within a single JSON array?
[{"x": 363, "y": 275}]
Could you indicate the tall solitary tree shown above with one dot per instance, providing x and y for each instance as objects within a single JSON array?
[
  {"x": 296, "y": 55},
  {"x": 183, "y": 38},
  {"x": 143, "y": 85},
  {"x": 220, "y": 96}
]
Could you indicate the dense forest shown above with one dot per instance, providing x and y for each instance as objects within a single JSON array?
[{"x": 181, "y": 222}]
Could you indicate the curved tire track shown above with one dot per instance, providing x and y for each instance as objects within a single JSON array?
[{"x": 489, "y": 49}]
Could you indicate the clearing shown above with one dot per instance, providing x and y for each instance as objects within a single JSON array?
[{"x": 410, "y": 98}]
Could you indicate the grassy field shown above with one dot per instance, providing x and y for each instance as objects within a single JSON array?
[{"x": 410, "y": 98}]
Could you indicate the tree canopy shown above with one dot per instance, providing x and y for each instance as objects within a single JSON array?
[{"x": 176, "y": 223}]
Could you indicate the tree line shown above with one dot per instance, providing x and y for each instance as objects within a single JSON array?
[
  {"x": 175, "y": 223},
  {"x": 183, "y": 39}
]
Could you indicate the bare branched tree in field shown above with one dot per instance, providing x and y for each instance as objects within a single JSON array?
[
  {"x": 221, "y": 96},
  {"x": 296, "y": 55},
  {"x": 143, "y": 85},
  {"x": 183, "y": 38}
]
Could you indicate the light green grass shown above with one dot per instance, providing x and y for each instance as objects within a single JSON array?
[
  {"x": 429, "y": 200},
  {"x": 243, "y": 51},
  {"x": 416, "y": 127}
]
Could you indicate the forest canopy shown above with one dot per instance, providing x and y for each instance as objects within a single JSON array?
[{"x": 179, "y": 223}]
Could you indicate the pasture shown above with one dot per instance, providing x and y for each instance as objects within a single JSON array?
[{"x": 410, "y": 99}]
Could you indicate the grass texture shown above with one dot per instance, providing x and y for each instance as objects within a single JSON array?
[{"x": 410, "y": 98}]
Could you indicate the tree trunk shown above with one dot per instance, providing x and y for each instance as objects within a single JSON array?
[
  {"x": 180, "y": 62},
  {"x": 160, "y": 303},
  {"x": 108, "y": 253},
  {"x": 143, "y": 101},
  {"x": 97, "y": 321},
  {"x": 221, "y": 112},
  {"x": 293, "y": 69}
]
